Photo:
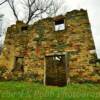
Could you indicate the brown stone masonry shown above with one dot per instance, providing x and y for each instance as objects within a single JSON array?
[{"x": 70, "y": 33}]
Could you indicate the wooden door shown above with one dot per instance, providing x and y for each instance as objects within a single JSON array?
[{"x": 56, "y": 70}]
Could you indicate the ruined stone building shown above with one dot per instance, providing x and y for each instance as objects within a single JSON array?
[{"x": 53, "y": 49}]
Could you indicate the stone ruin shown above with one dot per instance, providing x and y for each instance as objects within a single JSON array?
[{"x": 26, "y": 46}]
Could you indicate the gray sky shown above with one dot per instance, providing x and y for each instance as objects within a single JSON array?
[{"x": 92, "y": 7}]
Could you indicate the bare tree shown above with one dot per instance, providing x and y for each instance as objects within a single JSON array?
[{"x": 34, "y": 8}]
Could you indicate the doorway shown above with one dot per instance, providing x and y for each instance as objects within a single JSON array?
[{"x": 56, "y": 69}]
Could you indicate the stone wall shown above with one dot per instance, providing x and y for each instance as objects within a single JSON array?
[{"x": 40, "y": 39}]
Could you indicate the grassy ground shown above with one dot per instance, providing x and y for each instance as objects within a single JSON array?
[{"x": 33, "y": 91}]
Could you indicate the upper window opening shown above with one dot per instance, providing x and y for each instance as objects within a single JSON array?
[
  {"x": 24, "y": 28},
  {"x": 59, "y": 25}
]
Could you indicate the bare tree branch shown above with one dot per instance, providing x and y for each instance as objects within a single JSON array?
[
  {"x": 2, "y": 2},
  {"x": 54, "y": 8},
  {"x": 12, "y": 6},
  {"x": 34, "y": 8}
]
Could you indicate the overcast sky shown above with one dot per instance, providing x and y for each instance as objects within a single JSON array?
[{"x": 92, "y": 6}]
